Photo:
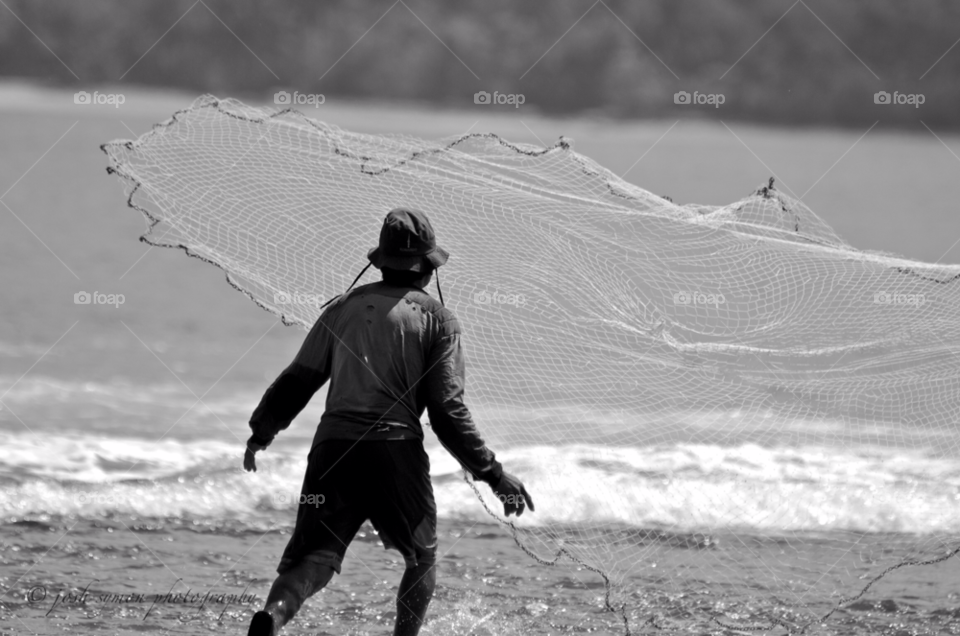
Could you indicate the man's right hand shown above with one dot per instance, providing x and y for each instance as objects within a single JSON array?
[
  {"x": 249, "y": 456},
  {"x": 512, "y": 495}
]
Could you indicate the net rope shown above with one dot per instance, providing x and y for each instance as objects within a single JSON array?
[{"x": 599, "y": 316}]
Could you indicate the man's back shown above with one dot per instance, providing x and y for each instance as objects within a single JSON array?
[
  {"x": 379, "y": 339},
  {"x": 389, "y": 351}
]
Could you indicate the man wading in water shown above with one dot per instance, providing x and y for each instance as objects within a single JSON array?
[{"x": 390, "y": 350}]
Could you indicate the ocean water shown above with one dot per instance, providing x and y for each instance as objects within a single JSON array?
[
  {"x": 122, "y": 429},
  {"x": 683, "y": 486}
]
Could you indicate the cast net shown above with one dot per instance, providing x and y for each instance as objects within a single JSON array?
[{"x": 740, "y": 419}]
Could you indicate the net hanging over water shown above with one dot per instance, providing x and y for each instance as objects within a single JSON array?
[{"x": 601, "y": 317}]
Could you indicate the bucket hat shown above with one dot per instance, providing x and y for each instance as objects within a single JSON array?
[{"x": 407, "y": 243}]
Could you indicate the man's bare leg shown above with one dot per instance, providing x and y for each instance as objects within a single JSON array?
[
  {"x": 287, "y": 594},
  {"x": 413, "y": 598}
]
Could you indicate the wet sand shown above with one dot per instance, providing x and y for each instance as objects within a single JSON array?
[{"x": 128, "y": 576}]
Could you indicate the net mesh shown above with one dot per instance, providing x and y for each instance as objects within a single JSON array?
[{"x": 599, "y": 316}]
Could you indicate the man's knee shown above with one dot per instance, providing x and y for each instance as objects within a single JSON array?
[
  {"x": 306, "y": 578},
  {"x": 423, "y": 564},
  {"x": 422, "y": 559}
]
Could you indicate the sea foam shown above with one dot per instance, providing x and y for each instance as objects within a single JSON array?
[{"x": 683, "y": 487}]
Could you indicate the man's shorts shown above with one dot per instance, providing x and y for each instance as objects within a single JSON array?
[{"x": 348, "y": 482}]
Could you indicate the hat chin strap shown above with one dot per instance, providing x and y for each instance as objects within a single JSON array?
[{"x": 363, "y": 271}]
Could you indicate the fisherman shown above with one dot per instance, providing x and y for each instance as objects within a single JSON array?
[{"x": 390, "y": 350}]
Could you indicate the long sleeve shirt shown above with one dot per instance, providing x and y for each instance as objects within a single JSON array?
[{"x": 389, "y": 352}]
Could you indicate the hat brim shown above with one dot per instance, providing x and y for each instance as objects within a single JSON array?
[{"x": 431, "y": 260}]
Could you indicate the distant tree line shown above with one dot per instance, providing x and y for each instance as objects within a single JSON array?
[{"x": 782, "y": 61}]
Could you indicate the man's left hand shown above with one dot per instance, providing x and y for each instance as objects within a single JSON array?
[
  {"x": 249, "y": 457},
  {"x": 511, "y": 492}
]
